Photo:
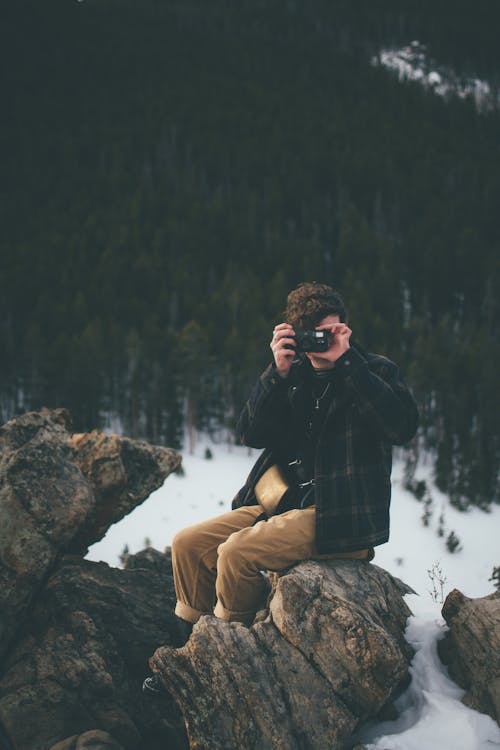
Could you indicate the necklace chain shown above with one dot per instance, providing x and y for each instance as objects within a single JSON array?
[{"x": 319, "y": 398}]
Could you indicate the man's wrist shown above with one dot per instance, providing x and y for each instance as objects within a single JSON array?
[
  {"x": 271, "y": 376},
  {"x": 346, "y": 350},
  {"x": 283, "y": 375},
  {"x": 349, "y": 360}
]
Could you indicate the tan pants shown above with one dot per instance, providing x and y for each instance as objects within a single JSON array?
[{"x": 217, "y": 563}]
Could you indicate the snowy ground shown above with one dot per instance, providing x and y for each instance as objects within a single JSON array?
[{"x": 432, "y": 716}]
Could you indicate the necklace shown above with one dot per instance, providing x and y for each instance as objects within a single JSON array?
[{"x": 319, "y": 398}]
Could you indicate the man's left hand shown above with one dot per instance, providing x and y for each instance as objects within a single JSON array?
[{"x": 340, "y": 334}]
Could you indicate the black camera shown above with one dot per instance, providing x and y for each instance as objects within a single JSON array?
[{"x": 311, "y": 341}]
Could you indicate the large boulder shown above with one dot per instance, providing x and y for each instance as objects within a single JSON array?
[
  {"x": 60, "y": 494},
  {"x": 81, "y": 660},
  {"x": 74, "y": 635},
  {"x": 328, "y": 654},
  {"x": 471, "y": 649}
]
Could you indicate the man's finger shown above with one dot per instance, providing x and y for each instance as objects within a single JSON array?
[
  {"x": 341, "y": 328},
  {"x": 279, "y": 344},
  {"x": 280, "y": 333}
]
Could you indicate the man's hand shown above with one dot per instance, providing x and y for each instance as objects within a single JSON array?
[
  {"x": 283, "y": 334},
  {"x": 339, "y": 337}
]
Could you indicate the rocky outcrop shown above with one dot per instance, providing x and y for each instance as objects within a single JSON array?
[
  {"x": 76, "y": 635},
  {"x": 471, "y": 649},
  {"x": 82, "y": 657},
  {"x": 328, "y": 654},
  {"x": 59, "y": 494}
]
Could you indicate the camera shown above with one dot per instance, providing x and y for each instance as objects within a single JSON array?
[{"x": 311, "y": 341}]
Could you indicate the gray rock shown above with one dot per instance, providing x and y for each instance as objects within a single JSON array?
[
  {"x": 471, "y": 649},
  {"x": 60, "y": 493},
  {"x": 75, "y": 636},
  {"x": 330, "y": 654},
  {"x": 93, "y": 740},
  {"x": 83, "y": 656}
]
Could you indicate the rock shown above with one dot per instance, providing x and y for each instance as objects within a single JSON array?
[
  {"x": 122, "y": 474},
  {"x": 59, "y": 494},
  {"x": 330, "y": 654},
  {"x": 83, "y": 657},
  {"x": 94, "y": 740},
  {"x": 471, "y": 649},
  {"x": 75, "y": 635}
]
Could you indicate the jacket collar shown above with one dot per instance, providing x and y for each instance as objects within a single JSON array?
[
  {"x": 302, "y": 374},
  {"x": 303, "y": 368}
]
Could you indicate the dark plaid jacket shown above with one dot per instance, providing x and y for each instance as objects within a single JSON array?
[{"x": 371, "y": 410}]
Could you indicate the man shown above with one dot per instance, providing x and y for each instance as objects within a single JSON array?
[{"x": 327, "y": 421}]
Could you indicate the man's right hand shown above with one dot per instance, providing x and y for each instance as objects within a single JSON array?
[{"x": 283, "y": 357}]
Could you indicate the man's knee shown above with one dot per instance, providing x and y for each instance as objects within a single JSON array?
[
  {"x": 184, "y": 543},
  {"x": 232, "y": 553}
]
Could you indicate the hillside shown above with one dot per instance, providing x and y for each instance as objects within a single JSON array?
[{"x": 170, "y": 170}]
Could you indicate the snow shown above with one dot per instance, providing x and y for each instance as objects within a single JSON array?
[
  {"x": 432, "y": 715},
  {"x": 431, "y": 712},
  {"x": 206, "y": 490},
  {"x": 434, "y": 78},
  {"x": 412, "y": 63}
]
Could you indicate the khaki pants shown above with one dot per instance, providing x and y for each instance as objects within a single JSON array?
[{"x": 217, "y": 563}]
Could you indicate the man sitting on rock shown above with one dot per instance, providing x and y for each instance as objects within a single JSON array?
[{"x": 326, "y": 413}]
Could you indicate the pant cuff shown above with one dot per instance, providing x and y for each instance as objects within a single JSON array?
[
  {"x": 229, "y": 616},
  {"x": 185, "y": 612}
]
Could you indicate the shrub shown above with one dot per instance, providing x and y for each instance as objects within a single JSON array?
[{"x": 453, "y": 542}]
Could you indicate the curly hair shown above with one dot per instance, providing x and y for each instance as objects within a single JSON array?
[{"x": 310, "y": 302}]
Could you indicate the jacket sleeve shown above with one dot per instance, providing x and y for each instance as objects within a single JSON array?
[
  {"x": 265, "y": 421},
  {"x": 380, "y": 394}
]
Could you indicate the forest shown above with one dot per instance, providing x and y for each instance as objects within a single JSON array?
[{"x": 170, "y": 170}]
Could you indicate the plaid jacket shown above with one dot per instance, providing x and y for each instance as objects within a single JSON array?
[{"x": 371, "y": 410}]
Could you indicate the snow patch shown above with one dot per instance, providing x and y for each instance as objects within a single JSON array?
[{"x": 412, "y": 63}]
